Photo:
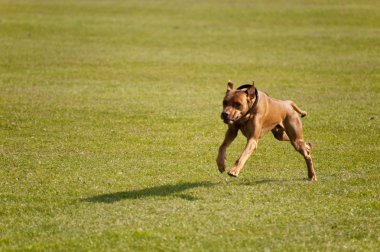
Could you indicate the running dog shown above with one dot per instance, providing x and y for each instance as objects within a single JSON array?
[{"x": 254, "y": 113}]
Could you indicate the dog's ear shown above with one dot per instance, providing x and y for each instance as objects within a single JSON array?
[
  {"x": 230, "y": 86},
  {"x": 251, "y": 91}
]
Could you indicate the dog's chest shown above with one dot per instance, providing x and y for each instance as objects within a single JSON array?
[{"x": 247, "y": 129}]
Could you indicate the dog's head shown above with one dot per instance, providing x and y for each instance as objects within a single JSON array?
[{"x": 237, "y": 102}]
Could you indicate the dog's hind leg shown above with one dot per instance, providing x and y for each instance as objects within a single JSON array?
[
  {"x": 279, "y": 133},
  {"x": 293, "y": 129},
  {"x": 304, "y": 148}
]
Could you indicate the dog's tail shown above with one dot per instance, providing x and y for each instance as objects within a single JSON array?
[{"x": 296, "y": 108}]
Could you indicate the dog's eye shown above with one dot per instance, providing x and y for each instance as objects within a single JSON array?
[
  {"x": 225, "y": 103},
  {"x": 237, "y": 104}
]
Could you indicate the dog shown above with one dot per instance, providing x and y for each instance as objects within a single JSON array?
[{"x": 254, "y": 113}]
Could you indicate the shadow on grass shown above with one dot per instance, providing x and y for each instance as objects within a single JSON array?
[
  {"x": 160, "y": 191},
  {"x": 274, "y": 181}
]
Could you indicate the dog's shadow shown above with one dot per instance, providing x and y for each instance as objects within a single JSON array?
[
  {"x": 264, "y": 181},
  {"x": 156, "y": 191}
]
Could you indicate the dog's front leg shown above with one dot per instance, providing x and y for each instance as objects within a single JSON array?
[
  {"x": 221, "y": 159},
  {"x": 249, "y": 148}
]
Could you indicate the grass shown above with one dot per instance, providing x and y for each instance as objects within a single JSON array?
[{"x": 109, "y": 125}]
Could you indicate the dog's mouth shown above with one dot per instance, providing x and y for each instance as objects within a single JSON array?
[{"x": 228, "y": 121}]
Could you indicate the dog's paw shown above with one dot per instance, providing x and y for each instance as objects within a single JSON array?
[
  {"x": 221, "y": 169},
  {"x": 313, "y": 178},
  {"x": 221, "y": 166},
  {"x": 221, "y": 163},
  {"x": 233, "y": 173}
]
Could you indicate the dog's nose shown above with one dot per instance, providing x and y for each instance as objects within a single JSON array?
[{"x": 225, "y": 114}]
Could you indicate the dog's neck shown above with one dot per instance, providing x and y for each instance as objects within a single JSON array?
[
  {"x": 246, "y": 86},
  {"x": 252, "y": 108}
]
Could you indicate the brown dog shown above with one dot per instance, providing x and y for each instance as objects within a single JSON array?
[{"x": 254, "y": 113}]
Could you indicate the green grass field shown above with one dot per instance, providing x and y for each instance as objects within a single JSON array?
[{"x": 110, "y": 126}]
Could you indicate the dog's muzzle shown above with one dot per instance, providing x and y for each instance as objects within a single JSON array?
[{"x": 225, "y": 117}]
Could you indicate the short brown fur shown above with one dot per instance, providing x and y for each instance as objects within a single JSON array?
[{"x": 269, "y": 114}]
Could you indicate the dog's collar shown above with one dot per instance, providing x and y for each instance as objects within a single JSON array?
[{"x": 256, "y": 98}]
